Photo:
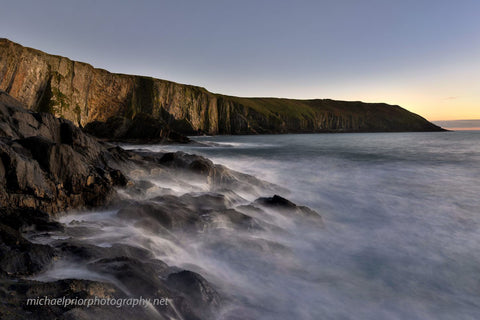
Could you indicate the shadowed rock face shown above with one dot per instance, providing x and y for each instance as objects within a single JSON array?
[
  {"x": 50, "y": 164},
  {"x": 83, "y": 94},
  {"x": 142, "y": 128}
]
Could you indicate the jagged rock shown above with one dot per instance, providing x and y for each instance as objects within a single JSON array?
[
  {"x": 201, "y": 295},
  {"x": 156, "y": 216},
  {"x": 135, "y": 270},
  {"x": 139, "y": 278},
  {"x": 189, "y": 212},
  {"x": 276, "y": 201},
  {"x": 283, "y": 205},
  {"x": 217, "y": 176},
  {"x": 49, "y": 164},
  {"x": 19, "y": 257}
]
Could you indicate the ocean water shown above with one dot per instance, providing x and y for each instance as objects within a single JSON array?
[
  {"x": 401, "y": 234},
  {"x": 402, "y": 222}
]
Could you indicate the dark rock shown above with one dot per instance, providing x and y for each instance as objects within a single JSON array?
[
  {"x": 142, "y": 128},
  {"x": 49, "y": 164},
  {"x": 27, "y": 218},
  {"x": 147, "y": 279},
  {"x": 285, "y": 206},
  {"x": 276, "y": 201},
  {"x": 18, "y": 256},
  {"x": 201, "y": 295},
  {"x": 14, "y": 294},
  {"x": 217, "y": 176},
  {"x": 171, "y": 214},
  {"x": 140, "y": 278},
  {"x": 67, "y": 134},
  {"x": 80, "y": 251}
]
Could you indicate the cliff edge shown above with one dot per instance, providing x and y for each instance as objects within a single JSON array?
[{"x": 81, "y": 93}]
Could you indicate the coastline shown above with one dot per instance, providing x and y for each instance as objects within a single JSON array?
[{"x": 49, "y": 168}]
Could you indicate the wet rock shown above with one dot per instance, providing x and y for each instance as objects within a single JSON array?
[
  {"x": 276, "y": 201},
  {"x": 139, "y": 278},
  {"x": 200, "y": 294},
  {"x": 169, "y": 215},
  {"x": 283, "y": 205},
  {"x": 141, "y": 188},
  {"x": 198, "y": 212},
  {"x": 19, "y": 257},
  {"x": 27, "y": 218},
  {"x": 146, "y": 279},
  {"x": 205, "y": 201},
  {"x": 81, "y": 251},
  {"x": 218, "y": 177},
  {"x": 14, "y": 294}
]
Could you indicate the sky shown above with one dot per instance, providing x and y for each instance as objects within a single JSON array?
[{"x": 423, "y": 55}]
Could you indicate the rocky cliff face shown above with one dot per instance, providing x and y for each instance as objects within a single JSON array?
[
  {"x": 49, "y": 164},
  {"x": 81, "y": 93}
]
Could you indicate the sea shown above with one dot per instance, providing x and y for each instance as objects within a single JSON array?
[{"x": 401, "y": 233}]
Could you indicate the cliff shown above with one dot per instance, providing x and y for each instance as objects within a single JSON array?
[{"x": 83, "y": 94}]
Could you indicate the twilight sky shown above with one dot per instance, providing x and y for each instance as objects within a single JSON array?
[{"x": 421, "y": 54}]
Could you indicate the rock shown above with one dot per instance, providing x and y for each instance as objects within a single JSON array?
[
  {"x": 202, "y": 296},
  {"x": 276, "y": 201},
  {"x": 19, "y": 257},
  {"x": 190, "y": 294},
  {"x": 14, "y": 296},
  {"x": 217, "y": 176},
  {"x": 142, "y": 128},
  {"x": 190, "y": 212},
  {"x": 283, "y": 205},
  {"x": 139, "y": 278},
  {"x": 155, "y": 216},
  {"x": 74, "y": 250},
  {"x": 51, "y": 165},
  {"x": 28, "y": 218}
]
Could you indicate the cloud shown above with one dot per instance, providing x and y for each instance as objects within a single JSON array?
[{"x": 451, "y": 98}]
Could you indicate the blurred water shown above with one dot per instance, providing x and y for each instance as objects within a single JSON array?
[{"x": 402, "y": 235}]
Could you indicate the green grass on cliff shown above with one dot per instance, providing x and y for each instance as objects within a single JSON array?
[{"x": 276, "y": 106}]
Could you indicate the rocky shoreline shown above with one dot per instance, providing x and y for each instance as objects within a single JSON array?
[{"x": 49, "y": 167}]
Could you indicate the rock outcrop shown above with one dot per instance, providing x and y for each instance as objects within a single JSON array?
[
  {"x": 83, "y": 94},
  {"x": 131, "y": 271},
  {"x": 50, "y": 164}
]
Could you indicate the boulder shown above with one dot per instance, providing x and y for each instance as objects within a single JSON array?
[{"x": 284, "y": 206}]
